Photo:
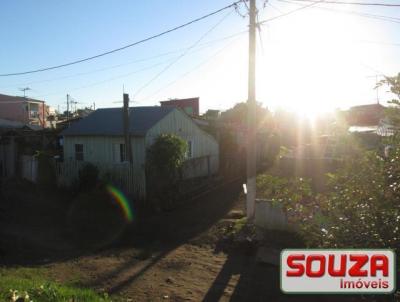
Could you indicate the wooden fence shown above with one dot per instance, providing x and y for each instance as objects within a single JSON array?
[
  {"x": 29, "y": 167},
  {"x": 131, "y": 180},
  {"x": 123, "y": 176}
]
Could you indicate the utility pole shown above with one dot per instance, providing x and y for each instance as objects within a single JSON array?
[
  {"x": 377, "y": 89},
  {"x": 68, "y": 109},
  {"x": 125, "y": 119},
  {"x": 251, "y": 115}
]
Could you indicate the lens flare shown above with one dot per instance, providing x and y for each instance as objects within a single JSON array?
[{"x": 122, "y": 201}]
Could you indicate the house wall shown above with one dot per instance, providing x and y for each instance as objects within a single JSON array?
[
  {"x": 21, "y": 111},
  {"x": 203, "y": 144},
  {"x": 98, "y": 150},
  {"x": 14, "y": 111}
]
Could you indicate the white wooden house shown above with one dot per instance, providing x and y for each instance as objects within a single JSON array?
[{"x": 99, "y": 139}]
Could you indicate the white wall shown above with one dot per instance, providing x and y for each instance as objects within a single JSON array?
[{"x": 203, "y": 144}]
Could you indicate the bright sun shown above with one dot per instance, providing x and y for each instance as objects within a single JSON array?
[{"x": 311, "y": 60}]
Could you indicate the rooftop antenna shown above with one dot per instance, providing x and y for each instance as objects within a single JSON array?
[
  {"x": 24, "y": 90},
  {"x": 376, "y": 76}
]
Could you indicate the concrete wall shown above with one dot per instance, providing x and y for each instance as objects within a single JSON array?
[{"x": 269, "y": 216}]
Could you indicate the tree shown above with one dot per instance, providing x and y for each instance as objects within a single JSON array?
[
  {"x": 238, "y": 114},
  {"x": 394, "y": 86},
  {"x": 393, "y": 112},
  {"x": 165, "y": 159}
]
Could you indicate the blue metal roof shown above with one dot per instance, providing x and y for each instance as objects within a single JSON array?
[{"x": 109, "y": 121}]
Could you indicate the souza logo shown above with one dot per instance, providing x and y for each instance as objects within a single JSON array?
[{"x": 337, "y": 271}]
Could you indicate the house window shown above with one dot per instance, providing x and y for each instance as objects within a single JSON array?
[
  {"x": 189, "y": 153},
  {"x": 119, "y": 153},
  {"x": 78, "y": 151}
]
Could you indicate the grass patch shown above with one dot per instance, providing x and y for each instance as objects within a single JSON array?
[{"x": 25, "y": 285}]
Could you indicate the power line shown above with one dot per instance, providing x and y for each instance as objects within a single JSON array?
[
  {"x": 110, "y": 79},
  {"x": 199, "y": 48},
  {"x": 235, "y": 4},
  {"x": 128, "y": 74},
  {"x": 289, "y": 13},
  {"x": 360, "y": 14},
  {"x": 354, "y": 3},
  {"x": 190, "y": 71},
  {"x": 135, "y": 71},
  {"x": 181, "y": 56}
]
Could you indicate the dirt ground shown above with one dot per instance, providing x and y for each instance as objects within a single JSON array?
[{"x": 170, "y": 256}]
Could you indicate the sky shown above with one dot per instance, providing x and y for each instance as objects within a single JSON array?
[{"x": 314, "y": 60}]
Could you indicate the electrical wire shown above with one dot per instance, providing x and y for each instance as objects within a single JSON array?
[
  {"x": 188, "y": 72},
  {"x": 139, "y": 70},
  {"x": 181, "y": 56},
  {"x": 354, "y": 3},
  {"x": 199, "y": 48},
  {"x": 235, "y": 4},
  {"x": 360, "y": 14},
  {"x": 289, "y": 13},
  {"x": 110, "y": 79}
]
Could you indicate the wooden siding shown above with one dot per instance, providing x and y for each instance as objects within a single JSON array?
[
  {"x": 98, "y": 150},
  {"x": 203, "y": 144},
  {"x": 123, "y": 176}
]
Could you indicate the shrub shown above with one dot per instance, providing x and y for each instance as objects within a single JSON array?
[
  {"x": 360, "y": 209},
  {"x": 163, "y": 170},
  {"x": 88, "y": 177}
]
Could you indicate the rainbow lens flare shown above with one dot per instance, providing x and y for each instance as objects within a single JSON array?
[{"x": 122, "y": 201}]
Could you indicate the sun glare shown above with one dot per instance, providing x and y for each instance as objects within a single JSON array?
[{"x": 310, "y": 61}]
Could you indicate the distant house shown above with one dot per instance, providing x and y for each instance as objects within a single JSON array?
[
  {"x": 365, "y": 115},
  {"x": 24, "y": 110},
  {"x": 190, "y": 106},
  {"x": 98, "y": 139},
  {"x": 16, "y": 139}
]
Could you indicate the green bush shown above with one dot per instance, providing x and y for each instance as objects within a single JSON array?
[
  {"x": 165, "y": 159},
  {"x": 361, "y": 208}
]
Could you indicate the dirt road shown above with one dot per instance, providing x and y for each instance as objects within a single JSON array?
[{"x": 172, "y": 256}]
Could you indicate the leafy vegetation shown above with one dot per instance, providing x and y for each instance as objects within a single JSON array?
[
  {"x": 164, "y": 162},
  {"x": 360, "y": 209}
]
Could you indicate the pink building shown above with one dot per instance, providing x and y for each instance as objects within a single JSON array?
[
  {"x": 190, "y": 106},
  {"x": 24, "y": 110}
]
